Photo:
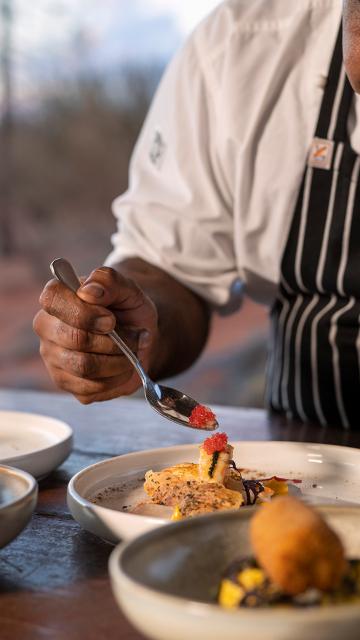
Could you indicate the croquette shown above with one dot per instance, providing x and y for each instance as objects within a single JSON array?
[{"x": 295, "y": 546}]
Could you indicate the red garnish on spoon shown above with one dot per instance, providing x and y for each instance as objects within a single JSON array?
[
  {"x": 202, "y": 416},
  {"x": 217, "y": 442}
]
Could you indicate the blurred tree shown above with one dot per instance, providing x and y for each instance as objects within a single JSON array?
[{"x": 71, "y": 159}]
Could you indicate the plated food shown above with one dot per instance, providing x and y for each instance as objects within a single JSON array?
[
  {"x": 214, "y": 483},
  {"x": 298, "y": 560},
  {"x": 173, "y": 574},
  {"x": 108, "y": 498}
]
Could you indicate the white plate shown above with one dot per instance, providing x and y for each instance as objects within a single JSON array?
[
  {"x": 18, "y": 495},
  {"x": 37, "y": 444},
  {"x": 329, "y": 474}
]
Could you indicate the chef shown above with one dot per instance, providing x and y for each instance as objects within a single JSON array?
[{"x": 245, "y": 178}]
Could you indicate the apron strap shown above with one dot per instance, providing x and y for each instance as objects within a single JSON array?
[{"x": 338, "y": 95}]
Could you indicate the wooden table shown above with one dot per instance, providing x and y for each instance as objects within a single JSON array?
[{"x": 53, "y": 577}]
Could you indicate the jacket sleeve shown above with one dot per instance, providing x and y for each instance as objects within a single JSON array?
[{"x": 175, "y": 214}]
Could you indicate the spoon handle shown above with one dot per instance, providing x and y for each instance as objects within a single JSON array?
[
  {"x": 129, "y": 354},
  {"x": 64, "y": 272}
]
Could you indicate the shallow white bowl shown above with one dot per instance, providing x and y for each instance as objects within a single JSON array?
[
  {"x": 34, "y": 443},
  {"x": 18, "y": 496},
  {"x": 329, "y": 474},
  {"x": 166, "y": 582}
]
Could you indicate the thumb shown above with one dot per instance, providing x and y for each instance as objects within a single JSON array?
[
  {"x": 107, "y": 287},
  {"x": 129, "y": 303}
]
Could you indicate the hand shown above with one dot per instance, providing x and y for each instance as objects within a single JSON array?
[{"x": 72, "y": 328}]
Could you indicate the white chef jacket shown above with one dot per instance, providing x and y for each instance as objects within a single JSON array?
[{"x": 216, "y": 171}]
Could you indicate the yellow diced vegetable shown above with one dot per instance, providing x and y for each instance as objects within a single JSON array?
[
  {"x": 251, "y": 578},
  {"x": 230, "y": 594},
  {"x": 176, "y": 515}
]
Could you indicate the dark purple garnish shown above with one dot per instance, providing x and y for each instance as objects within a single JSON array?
[{"x": 252, "y": 490}]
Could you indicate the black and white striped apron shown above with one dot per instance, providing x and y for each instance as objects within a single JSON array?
[{"x": 314, "y": 371}]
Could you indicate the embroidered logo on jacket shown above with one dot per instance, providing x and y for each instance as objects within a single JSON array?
[
  {"x": 157, "y": 150},
  {"x": 321, "y": 153}
]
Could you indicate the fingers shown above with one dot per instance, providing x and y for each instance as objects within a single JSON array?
[
  {"x": 131, "y": 306},
  {"x": 88, "y": 391},
  {"x": 51, "y": 329},
  {"x": 57, "y": 300},
  {"x": 90, "y": 366},
  {"x": 80, "y": 357}
]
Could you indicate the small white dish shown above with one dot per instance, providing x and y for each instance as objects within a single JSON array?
[
  {"x": 328, "y": 474},
  {"x": 166, "y": 583},
  {"x": 18, "y": 496},
  {"x": 35, "y": 443}
]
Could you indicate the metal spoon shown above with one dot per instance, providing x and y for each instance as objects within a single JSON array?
[{"x": 170, "y": 403}]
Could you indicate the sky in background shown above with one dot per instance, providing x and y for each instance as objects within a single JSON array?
[{"x": 54, "y": 37}]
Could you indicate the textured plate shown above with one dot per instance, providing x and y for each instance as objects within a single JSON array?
[
  {"x": 166, "y": 583},
  {"x": 37, "y": 444},
  {"x": 18, "y": 495},
  {"x": 329, "y": 474}
]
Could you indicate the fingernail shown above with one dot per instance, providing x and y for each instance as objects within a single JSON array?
[
  {"x": 144, "y": 339},
  {"x": 104, "y": 323},
  {"x": 93, "y": 289}
]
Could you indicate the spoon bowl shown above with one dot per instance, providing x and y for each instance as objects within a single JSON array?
[{"x": 170, "y": 403}]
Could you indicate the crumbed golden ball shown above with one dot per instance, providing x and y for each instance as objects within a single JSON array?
[{"x": 296, "y": 547}]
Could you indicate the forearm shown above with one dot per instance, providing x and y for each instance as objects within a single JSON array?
[{"x": 183, "y": 317}]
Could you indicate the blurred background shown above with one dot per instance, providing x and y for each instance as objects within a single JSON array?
[{"x": 76, "y": 80}]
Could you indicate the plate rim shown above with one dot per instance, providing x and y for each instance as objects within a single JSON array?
[{"x": 33, "y": 486}]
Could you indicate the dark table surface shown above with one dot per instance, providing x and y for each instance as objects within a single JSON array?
[{"x": 53, "y": 577}]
